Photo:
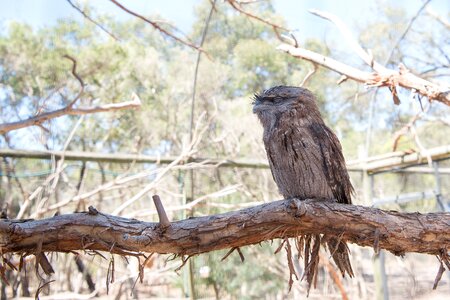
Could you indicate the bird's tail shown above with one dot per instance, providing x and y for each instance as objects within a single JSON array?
[{"x": 340, "y": 253}]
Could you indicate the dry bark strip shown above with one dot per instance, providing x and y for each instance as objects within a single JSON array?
[{"x": 394, "y": 231}]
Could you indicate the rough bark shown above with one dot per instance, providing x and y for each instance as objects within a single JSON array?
[{"x": 394, "y": 231}]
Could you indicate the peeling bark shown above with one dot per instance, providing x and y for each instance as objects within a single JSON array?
[{"x": 390, "y": 230}]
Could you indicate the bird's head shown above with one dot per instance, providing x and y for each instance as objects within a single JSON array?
[{"x": 278, "y": 100}]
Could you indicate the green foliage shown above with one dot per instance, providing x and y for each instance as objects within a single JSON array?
[{"x": 36, "y": 77}]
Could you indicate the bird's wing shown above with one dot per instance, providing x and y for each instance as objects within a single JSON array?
[{"x": 333, "y": 162}]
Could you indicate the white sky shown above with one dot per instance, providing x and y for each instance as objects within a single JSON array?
[{"x": 39, "y": 13}]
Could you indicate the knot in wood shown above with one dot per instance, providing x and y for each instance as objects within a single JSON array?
[
  {"x": 297, "y": 207},
  {"x": 92, "y": 210}
]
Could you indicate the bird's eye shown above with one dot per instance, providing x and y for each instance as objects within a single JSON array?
[
  {"x": 265, "y": 99},
  {"x": 277, "y": 99}
]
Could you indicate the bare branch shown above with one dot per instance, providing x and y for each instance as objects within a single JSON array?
[
  {"x": 159, "y": 28},
  {"x": 93, "y": 21},
  {"x": 363, "y": 54},
  {"x": 405, "y": 129},
  {"x": 190, "y": 205},
  {"x": 197, "y": 65},
  {"x": 382, "y": 75},
  {"x": 68, "y": 110},
  {"x": 186, "y": 153},
  {"x": 75, "y": 74},
  {"x": 439, "y": 18},
  {"x": 51, "y": 181},
  {"x": 309, "y": 75},
  {"x": 276, "y": 28},
  {"x": 408, "y": 27},
  {"x": 385, "y": 76}
]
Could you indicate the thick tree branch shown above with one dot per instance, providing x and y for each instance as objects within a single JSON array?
[
  {"x": 381, "y": 76},
  {"x": 385, "y": 77},
  {"x": 390, "y": 230}
]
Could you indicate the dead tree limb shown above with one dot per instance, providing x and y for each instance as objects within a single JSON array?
[
  {"x": 69, "y": 110},
  {"x": 381, "y": 76},
  {"x": 386, "y": 77},
  {"x": 390, "y": 230}
]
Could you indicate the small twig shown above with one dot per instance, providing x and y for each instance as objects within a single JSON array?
[
  {"x": 445, "y": 258},
  {"x": 38, "y": 291},
  {"x": 439, "y": 18},
  {"x": 290, "y": 39},
  {"x": 142, "y": 266},
  {"x": 80, "y": 80},
  {"x": 402, "y": 131},
  {"x": 240, "y": 254},
  {"x": 93, "y": 21},
  {"x": 408, "y": 27},
  {"x": 52, "y": 180},
  {"x": 275, "y": 27},
  {"x": 110, "y": 273},
  {"x": 187, "y": 152},
  {"x": 439, "y": 275},
  {"x": 309, "y": 75},
  {"x": 342, "y": 79},
  {"x": 419, "y": 144},
  {"x": 363, "y": 54},
  {"x": 183, "y": 262},
  {"x": 163, "y": 219},
  {"x": 92, "y": 211},
  {"x": 228, "y": 253},
  {"x": 197, "y": 64},
  {"x": 294, "y": 39}
]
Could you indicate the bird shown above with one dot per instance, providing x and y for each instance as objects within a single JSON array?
[{"x": 306, "y": 161}]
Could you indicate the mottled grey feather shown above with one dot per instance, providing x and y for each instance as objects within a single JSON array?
[{"x": 306, "y": 160}]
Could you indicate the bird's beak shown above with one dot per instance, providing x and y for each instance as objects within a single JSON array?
[{"x": 256, "y": 106}]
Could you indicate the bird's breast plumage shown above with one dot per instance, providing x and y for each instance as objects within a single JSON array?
[{"x": 295, "y": 160}]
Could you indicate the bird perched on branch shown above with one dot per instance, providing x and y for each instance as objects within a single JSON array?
[{"x": 306, "y": 161}]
